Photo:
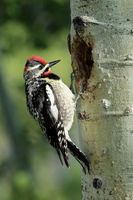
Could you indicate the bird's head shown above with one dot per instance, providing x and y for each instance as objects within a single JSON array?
[{"x": 37, "y": 66}]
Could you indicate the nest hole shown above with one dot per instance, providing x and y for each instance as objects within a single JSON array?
[{"x": 82, "y": 58}]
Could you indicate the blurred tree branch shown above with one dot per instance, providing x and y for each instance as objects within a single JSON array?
[{"x": 15, "y": 132}]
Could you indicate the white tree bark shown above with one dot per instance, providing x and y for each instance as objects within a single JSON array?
[{"x": 102, "y": 60}]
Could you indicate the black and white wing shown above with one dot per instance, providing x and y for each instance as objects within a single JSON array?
[{"x": 50, "y": 120}]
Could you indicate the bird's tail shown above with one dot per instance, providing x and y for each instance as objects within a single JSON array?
[
  {"x": 63, "y": 156},
  {"x": 79, "y": 156}
]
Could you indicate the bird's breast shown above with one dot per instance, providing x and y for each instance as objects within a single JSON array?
[{"x": 66, "y": 101}]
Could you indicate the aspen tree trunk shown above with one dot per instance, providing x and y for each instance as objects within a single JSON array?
[{"x": 102, "y": 61}]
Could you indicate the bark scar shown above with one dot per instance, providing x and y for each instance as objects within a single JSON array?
[
  {"x": 81, "y": 51},
  {"x": 82, "y": 58},
  {"x": 83, "y": 116}
]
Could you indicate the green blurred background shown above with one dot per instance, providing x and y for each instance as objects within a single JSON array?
[{"x": 29, "y": 167}]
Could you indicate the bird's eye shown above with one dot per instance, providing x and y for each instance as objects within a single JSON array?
[
  {"x": 40, "y": 67},
  {"x": 46, "y": 69}
]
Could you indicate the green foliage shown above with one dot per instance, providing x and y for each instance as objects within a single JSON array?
[
  {"x": 40, "y": 19},
  {"x": 15, "y": 35},
  {"x": 22, "y": 187},
  {"x": 32, "y": 28}
]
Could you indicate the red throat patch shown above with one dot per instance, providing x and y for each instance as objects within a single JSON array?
[{"x": 46, "y": 73}]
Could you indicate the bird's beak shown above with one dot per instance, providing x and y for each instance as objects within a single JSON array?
[{"x": 50, "y": 64}]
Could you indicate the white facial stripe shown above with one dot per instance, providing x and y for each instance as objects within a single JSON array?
[
  {"x": 47, "y": 65},
  {"x": 42, "y": 70},
  {"x": 31, "y": 68}
]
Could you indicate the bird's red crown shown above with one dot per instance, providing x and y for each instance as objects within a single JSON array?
[{"x": 38, "y": 58}]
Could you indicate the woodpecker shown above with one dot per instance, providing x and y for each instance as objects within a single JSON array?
[{"x": 52, "y": 104}]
